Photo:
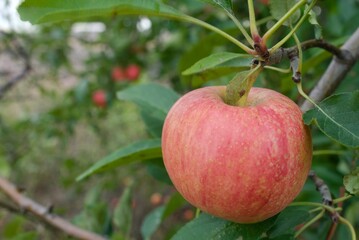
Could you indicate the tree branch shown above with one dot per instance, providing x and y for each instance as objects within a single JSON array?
[
  {"x": 324, "y": 191},
  {"x": 319, "y": 43},
  {"x": 42, "y": 213},
  {"x": 336, "y": 71}
]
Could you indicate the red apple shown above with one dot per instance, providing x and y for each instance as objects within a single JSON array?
[
  {"x": 99, "y": 98},
  {"x": 118, "y": 74},
  {"x": 132, "y": 72},
  {"x": 243, "y": 164}
]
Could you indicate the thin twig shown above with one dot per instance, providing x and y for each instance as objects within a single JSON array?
[
  {"x": 323, "y": 189},
  {"x": 320, "y": 43},
  {"x": 291, "y": 52},
  {"x": 42, "y": 213},
  {"x": 334, "y": 225},
  {"x": 26, "y": 69}
]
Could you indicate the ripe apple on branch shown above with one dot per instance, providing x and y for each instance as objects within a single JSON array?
[{"x": 241, "y": 163}]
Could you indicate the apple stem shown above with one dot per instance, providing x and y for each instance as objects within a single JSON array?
[
  {"x": 342, "y": 199},
  {"x": 240, "y": 27},
  {"x": 313, "y": 220},
  {"x": 303, "y": 94},
  {"x": 278, "y": 69},
  {"x": 198, "y": 211},
  {"x": 220, "y": 32},
  {"x": 296, "y": 61},
  {"x": 328, "y": 152},
  {"x": 314, "y": 204},
  {"x": 327, "y": 208},
  {"x": 350, "y": 227}
]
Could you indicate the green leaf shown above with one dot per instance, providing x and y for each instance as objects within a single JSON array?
[
  {"x": 176, "y": 201},
  {"x": 156, "y": 169},
  {"x": 217, "y": 65},
  {"x": 238, "y": 88},
  {"x": 337, "y": 117},
  {"x": 287, "y": 220},
  {"x": 95, "y": 213},
  {"x": 154, "y": 219},
  {"x": 225, "y": 62},
  {"x": 153, "y": 108},
  {"x": 49, "y": 11},
  {"x": 201, "y": 49},
  {"x": 123, "y": 215},
  {"x": 81, "y": 90},
  {"x": 26, "y": 236},
  {"x": 281, "y": 237},
  {"x": 154, "y": 124},
  {"x": 13, "y": 227},
  {"x": 317, "y": 28},
  {"x": 139, "y": 151},
  {"x": 207, "y": 227},
  {"x": 151, "y": 222},
  {"x": 5, "y": 168},
  {"x": 279, "y": 8},
  {"x": 351, "y": 182}
]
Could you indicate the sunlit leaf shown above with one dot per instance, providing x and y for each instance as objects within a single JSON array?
[
  {"x": 54, "y": 11},
  {"x": 139, "y": 151},
  {"x": 338, "y": 118},
  {"x": 216, "y": 66},
  {"x": 219, "y": 62}
]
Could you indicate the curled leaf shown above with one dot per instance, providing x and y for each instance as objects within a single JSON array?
[
  {"x": 351, "y": 182},
  {"x": 238, "y": 88}
]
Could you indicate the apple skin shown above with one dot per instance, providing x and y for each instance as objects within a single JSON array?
[
  {"x": 243, "y": 164},
  {"x": 118, "y": 74},
  {"x": 99, "y": 98},
  {"x": 132, "y": 72}
]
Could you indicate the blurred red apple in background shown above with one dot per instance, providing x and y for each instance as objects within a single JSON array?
[
  {"x": 118, "y": 74},
  {"x": 99, "y": 98},
  {"x": 132, "y": 72}
]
